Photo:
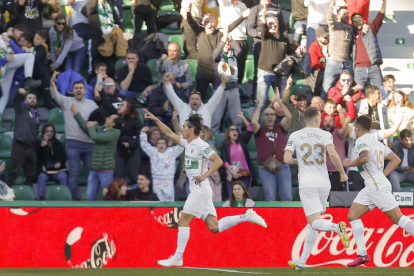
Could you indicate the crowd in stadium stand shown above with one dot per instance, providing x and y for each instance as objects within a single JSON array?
[{"x": 333, "y": 48}]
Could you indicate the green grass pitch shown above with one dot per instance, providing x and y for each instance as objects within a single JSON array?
[{"x": 337, "y": 271}]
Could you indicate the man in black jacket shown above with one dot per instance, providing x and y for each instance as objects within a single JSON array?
[
  {"x": 158, "y": 103},
  {"x": 405, "y": 151},
  {"x": 107, "y": 97},
  {"x": 26, "y": 139}
]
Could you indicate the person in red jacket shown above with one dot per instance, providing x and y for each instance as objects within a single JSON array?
[
  {"x": 345, "y": 86},
  {"x": 332, "y": 109}
]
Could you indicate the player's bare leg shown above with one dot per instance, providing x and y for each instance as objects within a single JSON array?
[
  {"x": 183, "y": 236},
  {"x": 355, "y": 213}
]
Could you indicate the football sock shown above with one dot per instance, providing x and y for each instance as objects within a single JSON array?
[
  {"x": 358, "y": 232},
  {"x": 183, "y": 236},
  {"x": 310, "y": 240},
  {"x": 325, "y": 225},
  {"x": 407, "y": 224},
  {"x": 228, "y": 222}
]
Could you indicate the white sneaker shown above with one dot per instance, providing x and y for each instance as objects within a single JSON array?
[
  {"x": 171, "y": 261},
  {"x": 255, "y": 218}
]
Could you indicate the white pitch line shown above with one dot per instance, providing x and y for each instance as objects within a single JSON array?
[{"x": 227, "y": 270}]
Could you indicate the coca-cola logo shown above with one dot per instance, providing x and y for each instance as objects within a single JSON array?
[
  {"x": 169, "y": 219},
  {"x": 386, "y": 246}
]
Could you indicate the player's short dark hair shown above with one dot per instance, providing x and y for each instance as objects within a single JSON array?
[
  {"x": 311, "y": 113},
  {"x": 21, "y": 27},
  {"x": 43, "y": 34},
  {"x": 387, "y": 77},
  {"x": 195, "y": 121},
  {"x": 99, "y": 64},
  {"x": 364, "y": 122},
  {"x": 370, "y": 89},
  {"x": 28, "y": 37},
  {"x": 79, "y": 81},
  {"x": 405, "y": 133}
]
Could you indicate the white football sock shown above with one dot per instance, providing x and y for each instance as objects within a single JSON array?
[
  {"x": 358, "y": 232},
  {"x": 407, "y": 224},
  {"x": 183, "y": 236},
  {"x": 228, "y": 222},
  {"x": 325, "y": 225},
  {"x": 310, "y": 240}
]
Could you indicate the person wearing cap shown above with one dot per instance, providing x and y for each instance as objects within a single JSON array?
[
  {"x": 318, "y": 53},
  {"x": 366, "y": 53}
]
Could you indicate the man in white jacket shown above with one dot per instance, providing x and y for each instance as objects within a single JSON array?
[{"x": 195, "y": 105}]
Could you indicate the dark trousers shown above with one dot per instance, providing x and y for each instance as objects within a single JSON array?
[
  {"x": 24, "y": 156},
  {"x": 44, "y": 91},
  {"x": 203, "y": 79},
  {"x": 149, "y": 19},
  {"x": 241, "y": 61},
  {"x": 336, "y": 184},
  {"x": 257, "y": 47},
  {"x": 190, "y": 41},
  {"x": 355, "y": 181},
  {"x": 95, "y": 57},
  {"x": 133, "y": 159}
]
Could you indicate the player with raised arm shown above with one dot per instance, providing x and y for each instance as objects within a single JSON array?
[
  {"x": 311, "y": 144},
  {"x": 378, "y": 191},
  {"x": 200, "y": 202}
]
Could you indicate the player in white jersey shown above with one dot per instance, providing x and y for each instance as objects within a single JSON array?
[
  {"x": 377, "y": 192},
  {"x": 310, "y": 145},
  {"x": 200, "y": 201}
]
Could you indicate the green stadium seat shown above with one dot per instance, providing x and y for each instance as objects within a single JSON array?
[
  {"x": 291, "y": 23},
  {"x": 248, "y": 104},
  {"x": 249, "y": 72},
  {"x": 300, "y": 82},
  {"x": 23, "y": 192},
  {"x": 99, "y": 196},
  {"x": 405, "y": 184},
  {"x": 296, "y": 89},
  {"x": 126, "y": 4},
  {"x": 12, "y": 122},
  {"x": 218, "y": 140},
  {"x": 179, "y": 39},
  {"x": 128, "y": 24},
  {"x": 152, "y": 64},
  {"x": 209, "y": 94},
  {"x": 57, "y": 119},
  {"x": 167, "y": 5},
  {"x": 251, "y": 146},
  {"x": 120, "y": 63},
  {"x": 408, "y": 188},
  {"x": 58, "y": 192},
  {"x": 250, "y": 42},
  {"x": 286, "y": 5},
  {"x": 193, "y": 67},
  {"x": 63, "y": 140},
  {"x": 5, "y": 146}
]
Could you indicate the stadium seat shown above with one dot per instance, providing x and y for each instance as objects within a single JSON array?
[
  {"x": 408, "y": 188},
  {"x": 168, "y": 31},
  {"x": 23, "y": 192},
  {"x": 179, "y": 40},
  {"x": 296, "y": 89},
  {"x": 128, "y": 24},
  {"x": 167, "y": 5},
  {"x": 251, "y": 146},
  {"x": 249, "y": 71},
  {"x": 126, "y": 4},
  {"x": 12, "y": 122},
  {"x": 248, "y": 104},
  {"x": 193, "y": 68},
  {"x": 209, "y": 94},
  {"x": 300, "y": 82},
  {"x": 152, "y": 64},
  {"x": 141, "y": 116},
  {"x": 5, "y": 146},
  {"x": 250, "y": 41},
  {"x": 291, "y": 23},
  {"x": 63, "y": 140},
  {"x": 218, "y": 140},
  {"x": 58, "y": 192},
  {"x": 286, "y": 5},
  {"x": 120, "y": 63},
  {"x": 57, "y": 119}
]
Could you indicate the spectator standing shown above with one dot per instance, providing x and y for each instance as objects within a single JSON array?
[
  {"x": 195, "y": 105},
  {"x": 225, "y": 63},
  {"x": 239, "y": 196},
  {"x": 78, "y": 21},
  {"x": 189, "y": 35},
  {"x": 66, "y": 45},
  {"x": 107, "y": 96},
  {"x": 30, "y": 14},
  {"x": 266, "y": 136},
  {"x": 145, "y": 10},
  {"x": 52, "y": 159},
  {"x": 26, "y": 140},
  {"x": 144, "y": 191},
  {"x": 316, "y": 19},
  {"x": 387, "y": 89},
  {"x": 401, "y": 103},
  {"x": 296, "y": 110},
  {"x": 358, "y": 6},
  {"x": 163, "y": 165},
  {"x": 340, "y": 38},
  {"x": 103, "y": 156},
  {"x": 344, "y": 87},
  {"x": 339, "y": 137},
  {"x": 134, "y": 77},
  {"x": 274, "y": 48},
  {"x": 172, "y": 63},
  {"x": 231, "y": 10},
  {"x": 405, "y": 151},
  {"x": 128, "y": 151},
  {"x": 236, "y": 157},
  {"x": 300, "y": 16},
  {"x": 366, "y": 52},
  {"x": 333, "y": 110},
  {"x": 79, "y": 146},
  {"x": 116, "y": 190}
]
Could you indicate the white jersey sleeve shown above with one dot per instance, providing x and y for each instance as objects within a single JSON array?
[
  {"x": 183, "y": 142},
  {"x": 328, "y": 139},
  {"x": 290, "y": 145},
  {"x": 361, "y": 145},
  {"x": 205, "y": 150}
]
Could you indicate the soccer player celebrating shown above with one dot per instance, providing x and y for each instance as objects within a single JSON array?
[
  {"x": 199, "y": 203},
  {"x": 310, "y": 145},
  {"x": 377, "y": 192}
]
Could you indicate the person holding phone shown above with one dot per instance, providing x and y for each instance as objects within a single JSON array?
[{"x": 107, "y": 96}]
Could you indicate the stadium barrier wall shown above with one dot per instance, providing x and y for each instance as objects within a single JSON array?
[{"x": 128, "y": 237}]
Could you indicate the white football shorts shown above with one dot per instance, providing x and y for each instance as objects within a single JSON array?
[
  {"x": 200, "y": 201},
  {"x": 314, "y": 199},
  {"x": 383, "y": 199}
]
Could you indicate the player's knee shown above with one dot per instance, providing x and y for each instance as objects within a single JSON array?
[
  {"x": 214, "y": 228},
  {"x": 351, "y": 216}
]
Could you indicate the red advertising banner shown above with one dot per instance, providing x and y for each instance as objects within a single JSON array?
[{"x": 128, "y": 237}]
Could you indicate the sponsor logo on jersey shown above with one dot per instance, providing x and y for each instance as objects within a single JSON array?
[
  {"x": 191, "y": 163},
  {"x": 208, "y": 150},
  {"x": 362, "y": 146},
  {"x": 289, "y": 143}
]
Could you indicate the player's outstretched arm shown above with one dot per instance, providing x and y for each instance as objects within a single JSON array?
[
  {"x": 217, "y": 163},
  {"x": 288, "y": 158},
  {"x": 336, "y": 160},
  {"x": 163, "y": 128},
  {"x": 393, "y": 164}
]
